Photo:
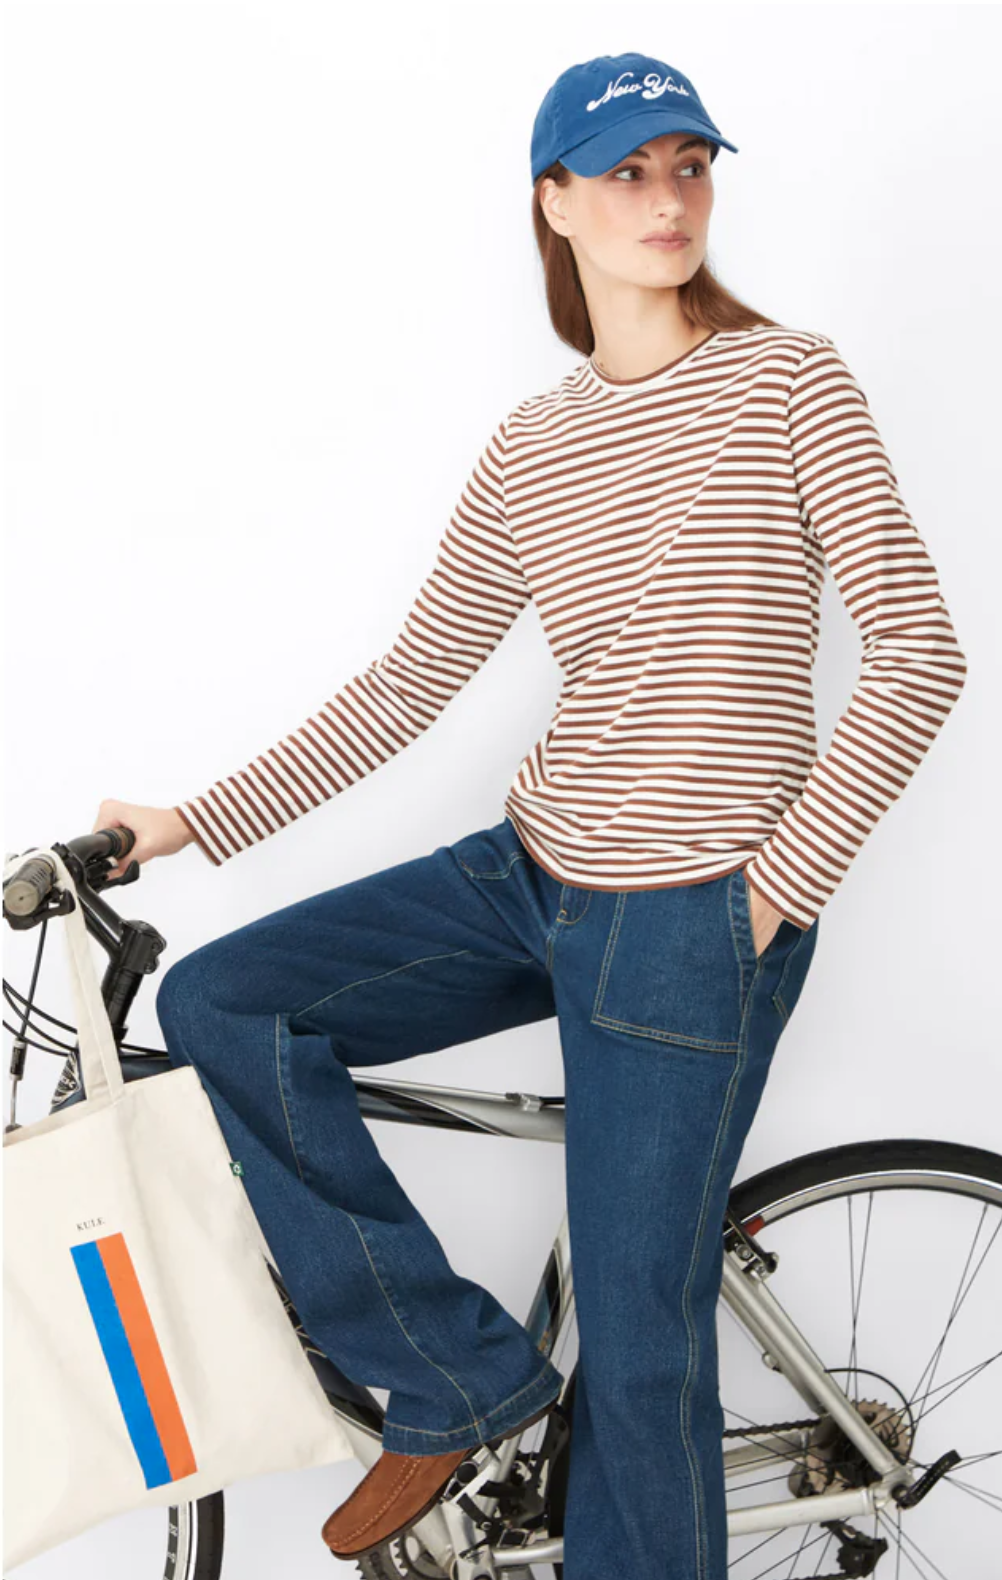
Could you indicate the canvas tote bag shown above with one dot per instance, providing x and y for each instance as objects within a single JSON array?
[{"x": 148, "y": 1357}]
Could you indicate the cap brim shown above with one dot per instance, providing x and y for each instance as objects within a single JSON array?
[{"x": 599, "y": 153}]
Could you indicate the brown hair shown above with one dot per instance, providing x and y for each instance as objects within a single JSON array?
[{"x": 705, "y": 303}]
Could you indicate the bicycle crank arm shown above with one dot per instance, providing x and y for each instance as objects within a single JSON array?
[
  {"x": 467, "y": 1521},
  {"x": 482, "y": 1548}
]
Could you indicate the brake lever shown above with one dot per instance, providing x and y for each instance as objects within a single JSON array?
[{"x": 100, "y": 881}]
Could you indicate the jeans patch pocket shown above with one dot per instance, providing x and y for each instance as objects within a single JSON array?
[{"x": 678, "y": 964}]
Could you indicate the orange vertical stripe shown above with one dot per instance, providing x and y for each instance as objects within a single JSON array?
[{"x": 148, "y": 1355}]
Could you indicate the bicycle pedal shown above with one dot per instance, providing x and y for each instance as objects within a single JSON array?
[{"x": 480, "y": 1466}]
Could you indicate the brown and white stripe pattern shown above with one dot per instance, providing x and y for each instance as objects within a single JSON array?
[
  {"x": 673, "y": 532},
  {"x": 470, "y": 598}
]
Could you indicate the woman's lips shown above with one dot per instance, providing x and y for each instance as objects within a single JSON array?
[{"x": 668, "y": 242}]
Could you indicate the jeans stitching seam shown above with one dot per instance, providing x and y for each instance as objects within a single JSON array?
[
  {"x": 682, "y": 1038},
  {"x": 481, "y": 1419},
  {"x": 502, "y": 872},
  {"x": 378, "y": 975},
  {"x": 572, "y": 921},
  {"x": 742, "y": 965},
  {"x": 358, "y": 1230},
  {"x": 396, "y": 1315},
  {"x": 474, "y": 1420},
  {"x": 693, "y": 1355},
  {"x": 610, "y": 949},
  {"x": 778, "y": 998},
  {"x": 282, "y": 1095}
]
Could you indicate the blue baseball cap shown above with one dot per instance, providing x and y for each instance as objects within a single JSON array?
[{"x": 599, "y": 111}]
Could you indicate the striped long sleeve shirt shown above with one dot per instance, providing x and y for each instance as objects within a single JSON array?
[{"x": 673, "y": 531}]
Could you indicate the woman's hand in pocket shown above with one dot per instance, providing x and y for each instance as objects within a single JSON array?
[{"x": 765, "y": 919}]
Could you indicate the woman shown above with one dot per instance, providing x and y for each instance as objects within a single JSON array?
[{"x": 656, "y": 881}]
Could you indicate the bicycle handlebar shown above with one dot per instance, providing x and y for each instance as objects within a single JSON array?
[{"x": 27, "y": 890}]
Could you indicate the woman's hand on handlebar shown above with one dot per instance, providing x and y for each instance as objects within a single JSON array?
[{"x": 159, "y": 831}]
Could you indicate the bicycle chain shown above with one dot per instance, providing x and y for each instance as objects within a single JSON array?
[
  {"x": 787, "y": 1426},
  {"x": 498, "y": 1532},
  {"x": 776, "y": 1426},
  {"x": 832, "y": 1525}
]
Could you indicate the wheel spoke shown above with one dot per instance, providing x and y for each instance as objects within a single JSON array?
[
  {"x": 856, "y": 1287},
  {"x": 906, "y": 1542},
  {"x": 823, "y": 1536},
  {"x": 959, "y": 1299},
  {"x": 954, "y": 1385},
  {"x": 981, "y": 1494},
  {"x": 907, "y": 1324}
]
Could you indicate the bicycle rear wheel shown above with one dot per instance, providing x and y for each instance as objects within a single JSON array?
[{"x": 890, "y": 1262}]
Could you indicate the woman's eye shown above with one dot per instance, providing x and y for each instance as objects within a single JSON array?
[{"x": 696, "y": 165}]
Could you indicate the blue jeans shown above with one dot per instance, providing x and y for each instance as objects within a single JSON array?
[{"x": 668, "y": 1022}]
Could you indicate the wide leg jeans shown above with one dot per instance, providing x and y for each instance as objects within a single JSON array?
[{"x": 667, "y": 1022}]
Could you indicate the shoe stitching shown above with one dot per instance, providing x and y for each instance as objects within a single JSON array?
[
  {"x": 402, "y": 1476},
  {"x": 396, "y": 1487}
]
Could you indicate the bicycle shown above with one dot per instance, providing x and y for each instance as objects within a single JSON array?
[{"x": 841, "y": 1460}]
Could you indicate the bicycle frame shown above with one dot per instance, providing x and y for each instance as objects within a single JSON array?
[
  {"x": 448, "y": 1532},
  {"x": 530, "y": 1117}
]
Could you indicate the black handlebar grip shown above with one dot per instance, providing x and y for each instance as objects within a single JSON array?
[
  {"x": 29, "y": 887},
  {"x": 124, "y": 839}
]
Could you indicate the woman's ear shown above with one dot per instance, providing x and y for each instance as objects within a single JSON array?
[{"x": 552, "y": 201}]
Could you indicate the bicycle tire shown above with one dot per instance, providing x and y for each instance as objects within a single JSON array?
[
  {"x": 195, "y": 1538},
  {"x": 853, "y": 1159}
]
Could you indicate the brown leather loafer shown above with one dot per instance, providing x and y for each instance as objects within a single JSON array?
[{"x": 396, "y": 1492}]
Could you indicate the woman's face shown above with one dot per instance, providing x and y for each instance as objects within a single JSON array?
[{"x": 663, "y": 185}]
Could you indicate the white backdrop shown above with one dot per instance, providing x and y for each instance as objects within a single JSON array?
[{"x": 271, "y": 282}]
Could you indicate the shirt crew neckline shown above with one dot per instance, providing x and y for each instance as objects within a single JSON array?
[{"x": 649, "y": 378}]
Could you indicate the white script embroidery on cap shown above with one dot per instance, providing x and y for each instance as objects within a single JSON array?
[{"x": 652, "y": 87}]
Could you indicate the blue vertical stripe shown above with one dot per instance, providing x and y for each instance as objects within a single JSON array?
[{"x": 121, "y": 1364}]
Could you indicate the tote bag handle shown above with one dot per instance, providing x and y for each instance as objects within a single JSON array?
[{"x": 100, "y": 1064}]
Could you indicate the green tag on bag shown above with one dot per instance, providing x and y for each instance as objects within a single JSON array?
[{"x": 237, "y": 1168}]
